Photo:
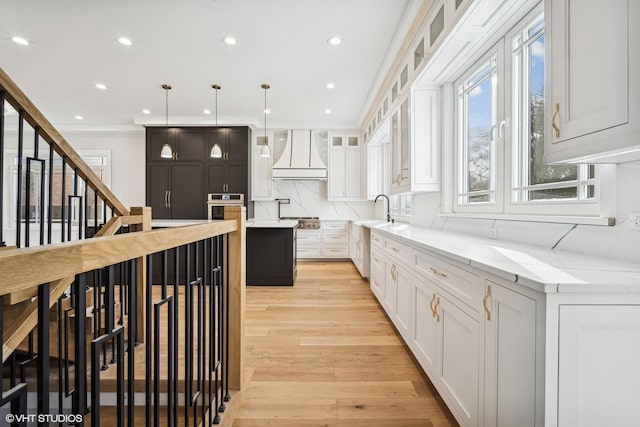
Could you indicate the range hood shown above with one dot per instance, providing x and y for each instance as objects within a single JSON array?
[{"x": 300, "y": 159}]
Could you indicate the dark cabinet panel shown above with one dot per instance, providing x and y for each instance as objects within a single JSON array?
[
  {"x": 271, "y": 256},
  {"x": 156, "y": 138},
  {"x": 238, "y": 145},
  {"x": 216, "y": 178},
  {"x": 187, "y": 199},
  {"x": 237, "y": 179},
  {"x": 190, "y": 144},
  {"x": 158, "y": 190}
]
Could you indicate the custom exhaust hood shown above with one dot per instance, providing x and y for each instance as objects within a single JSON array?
[{"x": 300, "y": 159}]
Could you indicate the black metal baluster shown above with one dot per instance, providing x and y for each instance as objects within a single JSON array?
[
  {"x": 27, "y": 204},
  {"x": 19, "y": 189},
  {"x": 60, "y": 370},
  {"x": 188, "y": 337},
  {"x": 176, "y": 329},
  {"x": 221, "y": 358},
  {"x": 95, "y": 213},
  {"x": 2, "y": 101},
  {"x": 109, "y": 308},
  {"x": 80, "y": 359},
  {"x": 43, "y": 350},
  {"x": 148, "y": 355},
  {"x": 50, "y": 198},
  {"x": 63, "y": 197},
  {"x": 36, "y": 155},
  {"x": 131, "y": 320}
]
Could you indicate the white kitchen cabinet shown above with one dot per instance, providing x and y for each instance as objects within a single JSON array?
[
  {"x": 377, "y": 273},
  {"x": 261, "y": 169},
  {"x": 400, "y": 150},
  {"x": 592, "y": 102},
  {"x": 335, "y": 239},
  {"x": 358, "y": 249},
  {"x": 511, "y": 362},
  {"x": 344, "y": 181},
  {"x": 458, "y": 372},
  {"x": 308, "y": 243},
  {"x": 424, "y": 341},
  {"x": 398, "y": 297},
  {"x": 598, "y": 371}
]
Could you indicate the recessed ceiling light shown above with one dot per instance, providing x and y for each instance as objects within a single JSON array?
[
  {"x": 330, "y": 85},
  {"x": 20, "y": 40},
  {"x": 125, "y": 41},
  {"x": 328, "y": 111},
  {"x": 145, "y": 111},
  {"x": 281, "y": 139},
  {"x": 79, "y": 118},
  {"x": 205, "y": 111},
  {"x": 267, "y": 111},
  {"x": 101, "y": 86},
  {"x": 334, "y": 41},
  {"x": 231, "y": 41}
]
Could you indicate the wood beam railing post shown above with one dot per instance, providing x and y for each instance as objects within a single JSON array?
[
  {"x": 141, "y": 274},
  {"x": 237, "y": 294}
]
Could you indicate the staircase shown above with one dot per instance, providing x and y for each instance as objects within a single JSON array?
[{"x": 79, "y": 316}]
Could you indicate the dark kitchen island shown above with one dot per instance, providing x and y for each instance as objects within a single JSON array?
[{"x": 271, "y": 252}]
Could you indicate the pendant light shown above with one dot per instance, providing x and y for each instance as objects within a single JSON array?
[
  {"x": 265, "y": 151},
  {"x": 216, "y": 151},
  {"x": 167, "y": 151}
]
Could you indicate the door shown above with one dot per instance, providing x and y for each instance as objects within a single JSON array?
[
  {"x": 238, "y": 148},
  {"x": 156, "y": 139},
  {"x": 589, "y": 49},
  {"x": 405, "y": 153},
  {"x": 598, "y": 368},
  {"x": 237, "y": 180},
  {"x": 510, "y": 358},
  {"x": 158, "y": 178},
  {"x": 459, "y": 344},
  {"x": 395, "y": 152},
  {"x": 218, "y": 136},
  {"x": 216, "y": 178},
  {"x": 377, "y": 275},
  {"x": 187, "y": 199},
  {"x": 390, "y": 288}
]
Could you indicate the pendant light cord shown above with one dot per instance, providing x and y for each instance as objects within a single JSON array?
[
  {"x": 265, "y": 115},
  {"x": 166, "y": 108}
]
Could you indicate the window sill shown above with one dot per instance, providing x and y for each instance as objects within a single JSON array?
[{"x": 582, "y": 220}]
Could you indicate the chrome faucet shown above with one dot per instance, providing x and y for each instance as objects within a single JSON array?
[{"x": 386, "y": 197}]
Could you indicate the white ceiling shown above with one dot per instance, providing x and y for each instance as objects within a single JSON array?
[{"x": 73, "y": 46}]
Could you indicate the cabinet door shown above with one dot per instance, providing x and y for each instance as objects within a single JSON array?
[
  {"x": 336, "y": 174},
  {"x": 158, "y": 179},
  {"x": 390, "y": 288},
  {"x": 599, "y": 372},
  {"x": 405, "y": 152},
  {"x": 237, "y": 178},
  {"x": 187, "y": 199},
  {"x": 218, "y": 136},
  {"x": 424, "y": 340},
  {"x": 238, "y": 148},
  {"x": 216, "y": 178},
  {"x": 458, "y": 337},
  {"x": 156, "y": 139},
  {"x": 352, "y": 172},
  {"x": 377, "y": 274},
  {"x": 510, "y": 358},
  {"x": 404, "y": 303},
  {"x": 396, "y": 176},
  {"x": 261, "y": 170},
  {"x": 190, "y": 144},
  {"x": 589, "y": 49}
]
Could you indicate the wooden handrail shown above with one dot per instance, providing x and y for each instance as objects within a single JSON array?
[
  {"x": 28, "y": 267},
  {"x": 35, "y": 118}
]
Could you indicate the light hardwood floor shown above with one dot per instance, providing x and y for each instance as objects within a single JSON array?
[{"x": 323, "y": 353}]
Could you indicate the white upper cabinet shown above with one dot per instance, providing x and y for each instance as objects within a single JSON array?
[
  {"x": 593, "y": 108},
  {"x": 261, "y": 169},
  {"x": 345, "y": 167}
]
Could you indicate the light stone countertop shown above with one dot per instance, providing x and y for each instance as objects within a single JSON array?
[
  {"x": 271, "y": 223},
  {"x": 539, "y": 268}
]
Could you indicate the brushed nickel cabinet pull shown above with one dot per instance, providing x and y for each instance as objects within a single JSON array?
[{"x": 556, "y": 129}]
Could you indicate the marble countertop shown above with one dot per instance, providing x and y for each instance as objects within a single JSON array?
[
  {"x": 176, "y": 222},
  {"x": 271, "y": 223},
  {"x": 539, "y": 268}
]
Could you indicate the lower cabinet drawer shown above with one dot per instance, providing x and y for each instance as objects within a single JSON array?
[
  {"x": 335, "y": 252},
  {"x": 310, "y": 252}
]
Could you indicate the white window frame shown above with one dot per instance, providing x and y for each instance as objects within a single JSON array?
[
  {"x": 460, "y": 170},
  {"x": 505, "y": 206},
  {"x": 517, "y": 168}
]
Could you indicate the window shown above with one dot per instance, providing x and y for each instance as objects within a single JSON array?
[
  {"x": 499, "y": 149},
  {"x": 477, "y": 111},
  {"x": 532, "y": 179},
  {"x": 400, "y": 205}
]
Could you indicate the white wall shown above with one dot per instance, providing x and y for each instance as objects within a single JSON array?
[
  {"x": 127, "y": 160},
  {"x": 619, "y": 241}
]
